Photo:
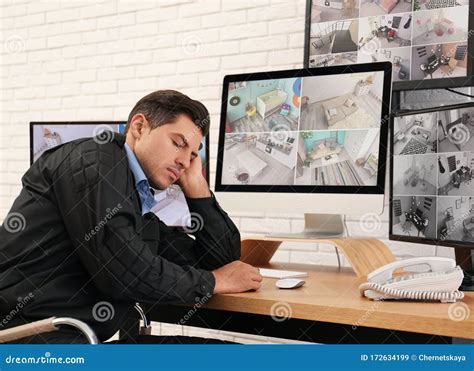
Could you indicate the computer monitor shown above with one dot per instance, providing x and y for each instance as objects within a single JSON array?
[
  {"x": 429, "y": 42},
  {"x": 171, "y": 205},
  {"x": 432, "y": 176},
  {"x": 307, "y": 140}
]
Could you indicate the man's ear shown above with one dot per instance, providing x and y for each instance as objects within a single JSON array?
[{"x": 137, "y": 126}]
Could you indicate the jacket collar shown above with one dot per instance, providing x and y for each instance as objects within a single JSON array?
[{"x": 119, "y": 139}]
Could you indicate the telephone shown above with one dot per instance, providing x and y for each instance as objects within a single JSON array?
[{"x": 440, "y": 283}]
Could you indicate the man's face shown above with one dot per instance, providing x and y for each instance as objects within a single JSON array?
[{"x": 164, "y": 152}]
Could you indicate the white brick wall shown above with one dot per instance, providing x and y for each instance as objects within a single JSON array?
[{"x": 92, "y": 60}]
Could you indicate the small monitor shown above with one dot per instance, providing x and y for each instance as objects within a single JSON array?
[
  {"x": 306, "y": 140},
  {"x": 171, "y": 205},
  {"x": 432, "y": 167}
]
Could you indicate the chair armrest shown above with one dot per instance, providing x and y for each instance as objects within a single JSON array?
[
  {"x": 80, "y": 325},
  {"x": 29, "y": 329},
  {"x": 47, "y": 325}
]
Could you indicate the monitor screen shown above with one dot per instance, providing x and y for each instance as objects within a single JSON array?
[
  {"x": 171, "y": 205},
  {"x": 432, "y": 177},
  {"x": 426, "y": 40},
  {"x": 315, "y": 130}
]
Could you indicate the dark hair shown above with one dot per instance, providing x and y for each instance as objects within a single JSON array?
[{"x": 164, "y": 106}]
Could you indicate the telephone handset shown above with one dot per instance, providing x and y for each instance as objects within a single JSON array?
[{"x": 441, "y": 283}]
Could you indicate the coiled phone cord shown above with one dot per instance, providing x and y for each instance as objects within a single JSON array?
[{"x": 448, "y": 296}]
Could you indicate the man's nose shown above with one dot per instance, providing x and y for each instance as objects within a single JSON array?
[{"x": 183, "y": 160}]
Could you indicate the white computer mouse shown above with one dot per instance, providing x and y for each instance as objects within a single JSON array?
[{"x": 289, "y": 283}]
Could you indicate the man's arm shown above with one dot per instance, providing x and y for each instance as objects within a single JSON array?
[{"x": 217, "y": 237}]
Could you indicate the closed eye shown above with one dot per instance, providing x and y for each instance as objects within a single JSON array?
[
  {"x": 182, "y": 144},
  {"x": 178, "y": 145}
]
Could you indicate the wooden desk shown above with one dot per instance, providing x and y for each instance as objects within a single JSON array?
[{"x": 327, "y": 309}]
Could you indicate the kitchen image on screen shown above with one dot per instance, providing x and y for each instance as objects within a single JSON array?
[
  {"x": 260, "y": 158},
  {"x": 424, "y": 39}
]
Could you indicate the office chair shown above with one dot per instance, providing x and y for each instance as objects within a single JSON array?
[{"x": 54, "y": 323}]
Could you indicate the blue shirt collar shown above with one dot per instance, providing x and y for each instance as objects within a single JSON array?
[
  {"x": 135, "y": 166},
  {"x": 141, "y": 182}
]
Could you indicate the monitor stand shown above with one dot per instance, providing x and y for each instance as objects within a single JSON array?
[
  {"x": 316, "y": 226},
  {"x": 365, "y": 254},
  {"x": 465, "y": 259}
]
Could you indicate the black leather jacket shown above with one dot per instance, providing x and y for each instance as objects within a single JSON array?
[{"x": 75, "y": 239}]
